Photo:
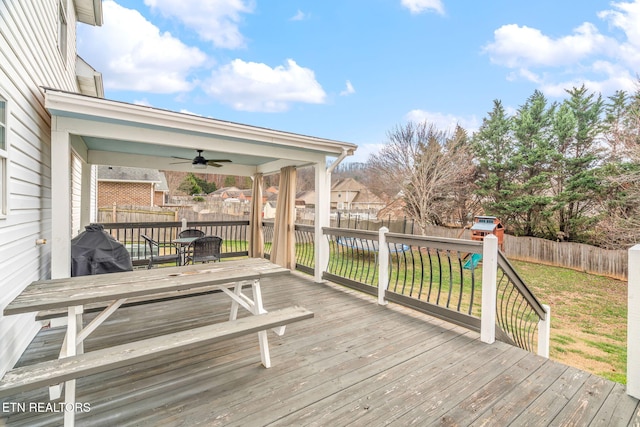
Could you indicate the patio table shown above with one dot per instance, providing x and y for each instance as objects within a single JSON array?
[
  {"x": 182, "y": 244},
  {"x": 75, "y": 292}
]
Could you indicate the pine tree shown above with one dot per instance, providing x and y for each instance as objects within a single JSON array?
[
  {"x": 494, "y": 151},
  {"x": 532, "y": 160},
  {"x": 578, "y": 127}
]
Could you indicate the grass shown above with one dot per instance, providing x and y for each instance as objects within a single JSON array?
[{"x": 588, "y": 318}]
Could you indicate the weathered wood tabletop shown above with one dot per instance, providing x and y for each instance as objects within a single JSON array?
[{"x": 63, "y": 293}]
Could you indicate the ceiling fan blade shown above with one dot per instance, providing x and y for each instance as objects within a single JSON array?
[
  {"x": 214, "y": 164},
  {"x": 179, "y": 163}
]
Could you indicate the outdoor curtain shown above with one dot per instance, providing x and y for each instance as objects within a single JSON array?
[
  {"x": 256, "y": 238},
  {"x": 283, "y": 249}
]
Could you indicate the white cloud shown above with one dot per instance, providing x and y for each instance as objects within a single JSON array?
[
  {"x": 348, "y": 90},
  {"x": 626, "y": 17},
  {"x": 185, "y": 111},
  {"x": 444, "y": 122},
  {"x": 525, "y": 74},
  {"x": 144, "y": 102},
  {"x": 299, "y": 16},
  {"x": 515, "y": 46},
  {"x": 616, "y": 78},
  {"x": 602, "y": 62},
  {"x": 419, "y": 6},
  {"x": 214, "y": 20},
  {"x": 133, "y": 54},
  {"x": 251, "y": 86}
]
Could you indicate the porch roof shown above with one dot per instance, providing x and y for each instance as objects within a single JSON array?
[
  {"x": 106, "y": 132},
  {"x": 117, "y": 133}
]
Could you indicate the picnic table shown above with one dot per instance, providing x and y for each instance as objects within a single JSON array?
[{"x": 115, "y": 289}]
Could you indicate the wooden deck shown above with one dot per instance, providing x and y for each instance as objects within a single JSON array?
[{"x": 355, "y": 363}]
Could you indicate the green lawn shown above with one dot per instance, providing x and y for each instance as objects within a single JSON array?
[{"x": 588, "y": 317}]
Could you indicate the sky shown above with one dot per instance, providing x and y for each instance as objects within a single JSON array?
[{"x": 353, "y": 70}]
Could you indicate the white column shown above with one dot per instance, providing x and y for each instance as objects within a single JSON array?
[
  {"x": 60, "y": 204},
  {"x": 544, "y": 333},
  {"x": 383, "y": 265},
  {"x": 85, "y": 196},
  {"x": 489, "y": 289},
  {"x": 323, "y": 206},
  {"x": 633, "y": 324}
]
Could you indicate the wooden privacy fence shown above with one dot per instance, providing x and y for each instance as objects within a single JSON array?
[
  {"x": 129, "y": 214},
  {"x": 577, "y": 256}
]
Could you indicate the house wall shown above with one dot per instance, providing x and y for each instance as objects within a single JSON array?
[
  {"x": 124, "y": 193},
  {"x": 29, "y": 59},
  {"x": 158, "y": 198},
  {"x": 76, "y": 194}
]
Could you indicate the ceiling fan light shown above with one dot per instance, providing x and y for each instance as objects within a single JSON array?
[{"x": 199, "y": 165}]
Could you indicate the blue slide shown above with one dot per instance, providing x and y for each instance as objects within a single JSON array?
[{"x": 472, "y": 262}]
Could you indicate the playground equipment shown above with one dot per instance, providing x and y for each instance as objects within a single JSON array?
[
  {"x": 483, "y": 226},
  {"x": 472, "y": 261}
]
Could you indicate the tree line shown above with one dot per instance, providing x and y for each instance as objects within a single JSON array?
[{"x": 566, "y": 170}]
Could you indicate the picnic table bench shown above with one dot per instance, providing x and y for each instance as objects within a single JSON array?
[{"x": 73, "y": 293}]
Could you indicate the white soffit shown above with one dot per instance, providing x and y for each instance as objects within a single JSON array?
[{"x": 89, "y": 11}]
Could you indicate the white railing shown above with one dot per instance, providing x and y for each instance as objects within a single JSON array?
[
  {"x": 490, "y": 294},
  {"x": 633, "y": 324}
]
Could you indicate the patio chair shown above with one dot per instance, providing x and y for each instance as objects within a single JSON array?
[
  {"x": 154, "y": 253},
  {"x": 204, "y": 249},
  {"x": 191, "y": 232}
]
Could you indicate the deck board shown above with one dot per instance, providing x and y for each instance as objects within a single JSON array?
[{"x": 354, "y": 363}]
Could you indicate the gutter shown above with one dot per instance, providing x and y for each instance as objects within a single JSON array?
[{"x": 340, "y": 158}]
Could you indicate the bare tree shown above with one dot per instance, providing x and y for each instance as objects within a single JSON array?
[
  {"x": 427, "y": 168},
  {"x": 619, "y": 226}
]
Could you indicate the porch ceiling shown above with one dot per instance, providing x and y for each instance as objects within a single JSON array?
[{"x": 116, "y": 133}]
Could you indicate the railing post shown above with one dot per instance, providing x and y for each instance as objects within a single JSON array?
[
  {"x": 184, "y": 224},
  {"x": 489, "y": 289},
  {"x": 544, "y": 333},
  {"x": 633, "y": 323},
  {"x": 383, "y": 265}
]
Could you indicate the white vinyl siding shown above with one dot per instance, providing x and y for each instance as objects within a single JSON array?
[
  {"x": 29, "y": 60},
  {"x": 76, "y": 193},
  {"x": 4, "y": 157},
  {"x": 62, "y": 29}
]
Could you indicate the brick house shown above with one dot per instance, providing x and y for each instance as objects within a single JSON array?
[{"x": 126, "y": 186}]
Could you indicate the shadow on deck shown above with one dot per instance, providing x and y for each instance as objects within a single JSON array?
[{"x": 354, "y": 363}]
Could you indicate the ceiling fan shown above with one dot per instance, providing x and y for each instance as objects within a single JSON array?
[{"x": 199, "y": 162}]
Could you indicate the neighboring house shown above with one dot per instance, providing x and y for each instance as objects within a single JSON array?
[
  {"x": 306, "y": 199},
  {"x": 269, "y": 210},
  {"x": 350, "y": 194},
  {"x": 235, "y": 193},
  {"x": 224, "y": 192},
  {"x": 130, "y": 187},
  {"x": 38, "y": 50},
  {"x": 271, "y": 190}
]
